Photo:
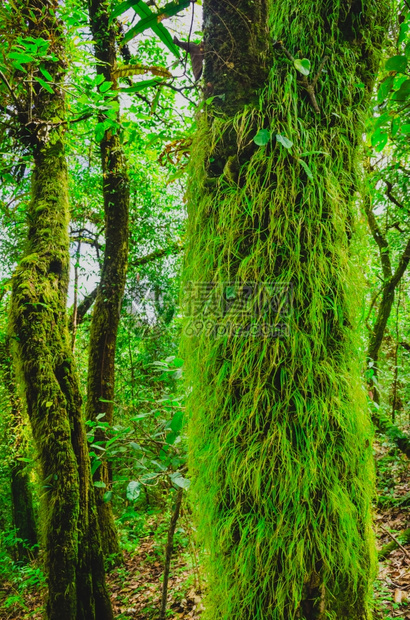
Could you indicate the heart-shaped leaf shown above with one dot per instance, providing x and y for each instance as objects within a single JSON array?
[
  {"x": 262, "y": 137},
  {"x": 302, "y": 65}
]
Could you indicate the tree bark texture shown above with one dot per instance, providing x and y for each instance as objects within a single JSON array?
[{"x": 107, "y": 306}]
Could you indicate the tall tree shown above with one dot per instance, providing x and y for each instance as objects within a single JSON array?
[
  {"x": 107, "y": 306},
  {"x": 281, "y": 453},
  {"x": 39, "y": 323}
]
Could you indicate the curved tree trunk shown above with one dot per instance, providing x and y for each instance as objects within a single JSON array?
[
  {"x": 280, "y": 449},
  {"x": 107, "y": 306},
  {"x": 41, "y": 343}
]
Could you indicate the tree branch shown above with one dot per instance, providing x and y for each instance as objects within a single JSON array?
[
  {"x": 175, "y": 248},
  {"x": 381, "y": 242}
]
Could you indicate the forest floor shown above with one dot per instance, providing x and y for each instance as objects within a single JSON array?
[
  {"x": 136, "y": 584},
  {"x": 392, "y": 588}
]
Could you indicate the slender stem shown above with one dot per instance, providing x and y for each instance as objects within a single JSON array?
[{"x": 168, "y": 552}]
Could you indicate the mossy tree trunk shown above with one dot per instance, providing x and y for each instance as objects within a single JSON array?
[
  {"x": 107, "y": 306},
  {"x": 41, "y": 343},
  {"x": 21, "y": 495},
  {"x": 280, "y": 437}
]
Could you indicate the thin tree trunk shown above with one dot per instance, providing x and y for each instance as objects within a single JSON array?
[
  {"x": 38, "y": 325},
  {"x": 390, "y": 283},
  {"x": 168, "y": 552},
  {"x": 280, "y": 438},
  {"x": 107, "y": 307}
]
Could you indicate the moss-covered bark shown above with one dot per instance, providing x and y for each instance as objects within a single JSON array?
[
  {"x": 21, "y": 495},
  {"x": 280, "y": 449},
  {"x": 46, "y": 369},
  {"x": 107, "y": 307}
]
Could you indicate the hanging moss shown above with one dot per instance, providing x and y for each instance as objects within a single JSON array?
[{"x": 280, "y": 438}]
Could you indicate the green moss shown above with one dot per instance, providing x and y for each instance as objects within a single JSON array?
[{"x": 280, "y": 436}]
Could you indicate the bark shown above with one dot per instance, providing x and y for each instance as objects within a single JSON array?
[
  {"x": 280, "y": 437},
  {"x": 38, "y": 325},
  {"x": 107, "y": 307}
]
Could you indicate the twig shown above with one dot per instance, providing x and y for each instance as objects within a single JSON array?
[
  {"x": 393, "y": 537},
  {"x": 6, "y": 82}
]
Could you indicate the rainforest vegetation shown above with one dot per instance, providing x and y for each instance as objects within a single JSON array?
[{"x": 204, "y": 309}]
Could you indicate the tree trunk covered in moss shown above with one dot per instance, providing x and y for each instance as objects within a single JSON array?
[
  {"x": 107, "y": 307},
  {"x": 280, "y": 437},
  {"x": 39, "y": 330},
  {"x": 21, "y": 495}
]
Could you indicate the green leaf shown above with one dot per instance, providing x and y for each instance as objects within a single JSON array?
[
  {"x": 379, "y": 140},
  {"x": 395, "y": 126},
  {"x": 100, "y": 484},
  {"x": 397, "y": 63},
  {"x": 306, "y": 168},
  {"x": 141, "y": 85},
  {"x": 133, "y": 490},
  {"x": 179, "y": 480},
  {"x": 262, "y": 137},
  {"x": 152, "y": 20},
  {"x": 46, "y": 74},
  {"x": 302, "y": 65},
  {"x": 176, "y": 422},
  {"x": 405, "y": 129},
  {"x": 99, "y": 131},
  {"x": 94, "y": 466},
  {"x": 382, "y": 120},
  {"x": 107, "y": 497},
  {"x": 49, "y": 404},
  {"x": 144, "y": 11},
  {"x": 121, "y": 8},
  {"x": 105, "y": 86},
  {"x": 20, "y": 57},
  {"x": 403, "y": 93},
  {"x": 44, "y": 85},
  {"x": 284, "y": 141},
  {"x": 385, "y": 88},
  {"x": 135, "y": 446}
]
